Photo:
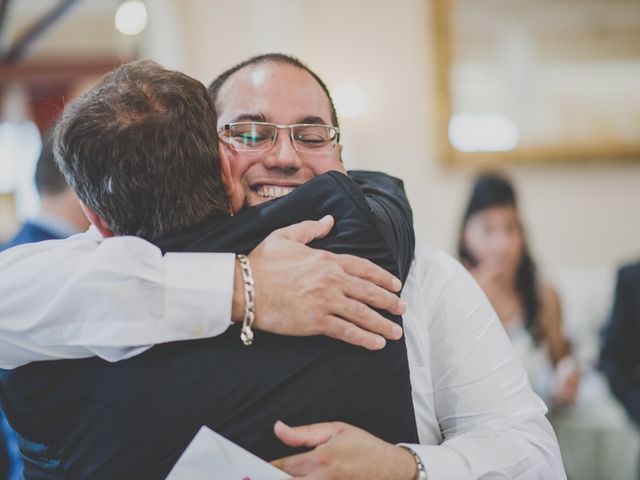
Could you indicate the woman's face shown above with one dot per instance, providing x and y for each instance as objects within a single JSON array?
[{"x": 494, "y": 238}]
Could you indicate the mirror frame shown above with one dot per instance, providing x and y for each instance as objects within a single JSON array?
[{"x": 442, "y": 19}]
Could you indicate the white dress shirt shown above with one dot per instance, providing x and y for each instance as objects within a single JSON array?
[
  {"x": 114, "y": 298},
  {"x": 476, "y": 414}
]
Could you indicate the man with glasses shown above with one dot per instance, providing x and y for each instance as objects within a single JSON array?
[
  {"x": 261, "y": 136},
  {"x": 457, "y": 377},
  {"x": 475, "y": 412},
  {"x": 87, "y": 418}
]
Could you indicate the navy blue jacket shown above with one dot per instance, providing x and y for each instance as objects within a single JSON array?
[
  {"x": 620, "y": 356},
  {"x": 132, "y": 419},
  {"x": 29, "y": 233}
]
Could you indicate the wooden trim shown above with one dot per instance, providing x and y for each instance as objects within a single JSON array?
[
  {"x": 441, "y": 13},
  {"x": 56, "y": 71},
  {"x": 548, "y": 155}
]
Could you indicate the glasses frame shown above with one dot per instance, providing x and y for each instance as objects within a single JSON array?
[{"x": 226, "y": 139}]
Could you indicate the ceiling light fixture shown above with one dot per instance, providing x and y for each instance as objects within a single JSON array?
[{"x": 131, "y": 17}]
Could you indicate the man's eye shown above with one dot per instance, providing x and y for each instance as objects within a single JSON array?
[
  {"x": 310, "y": 139},
  {"x": 250, "y": 136},
  {"x": 312, "y": 136}
]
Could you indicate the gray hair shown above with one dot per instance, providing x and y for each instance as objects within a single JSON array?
[{"x": 140, "y": 149}]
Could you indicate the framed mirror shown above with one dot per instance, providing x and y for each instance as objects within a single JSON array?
[{"x": 522, "y": 81}]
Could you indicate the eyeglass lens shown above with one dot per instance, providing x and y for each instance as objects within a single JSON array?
[{"x": 261, "y": 136}]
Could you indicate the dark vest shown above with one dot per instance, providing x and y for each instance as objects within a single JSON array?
[{"x": 132, "y": 419}]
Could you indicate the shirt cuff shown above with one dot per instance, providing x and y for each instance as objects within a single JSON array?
[
  {"x": 440, "y": 462},
  {"x": 199, "y": 293}
]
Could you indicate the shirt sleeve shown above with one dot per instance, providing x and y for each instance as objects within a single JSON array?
[
  {"x": 490, "y": 424},
  {"x": 108, "y": 287}
]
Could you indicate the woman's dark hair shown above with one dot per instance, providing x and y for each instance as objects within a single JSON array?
[{"x": 493, "y": 190}]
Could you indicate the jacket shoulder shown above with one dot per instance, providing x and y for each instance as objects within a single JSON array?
[{"x": 629, "y": 274}]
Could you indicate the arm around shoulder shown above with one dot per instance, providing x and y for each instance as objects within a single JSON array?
[{"x": 82, "y": 297}]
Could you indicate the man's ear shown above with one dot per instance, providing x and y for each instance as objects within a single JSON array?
[
  {"x": 97, "y": 221},
  {"x": 225, "y": 171},
  {"x": 342, "y": 167}
]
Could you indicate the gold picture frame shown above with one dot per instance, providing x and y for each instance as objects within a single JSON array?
[{"x": 449, "y": 46}]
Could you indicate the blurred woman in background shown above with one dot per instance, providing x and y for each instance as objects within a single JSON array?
[{"x": 493, "y": 247}]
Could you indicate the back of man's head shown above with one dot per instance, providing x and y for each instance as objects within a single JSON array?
[{"x": 140, "y": 150}]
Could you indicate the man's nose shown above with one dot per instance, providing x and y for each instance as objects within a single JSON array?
[{"x": 283, "y": 154}]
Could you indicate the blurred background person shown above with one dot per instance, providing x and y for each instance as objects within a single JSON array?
[
  {"x": 60, "y": 214},
  {"x": 620, "y": 356},
  {"x": 493, "y": 248}
]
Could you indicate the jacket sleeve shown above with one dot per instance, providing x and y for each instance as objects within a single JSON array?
[
  {"x": 372, "y": 219},
  {"x": 388, "y": 201}
]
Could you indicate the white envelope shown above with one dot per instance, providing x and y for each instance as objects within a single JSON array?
[{"x": 210, "y": 456}]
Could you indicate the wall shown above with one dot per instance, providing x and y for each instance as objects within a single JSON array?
[{"x": 578, "y": 216}]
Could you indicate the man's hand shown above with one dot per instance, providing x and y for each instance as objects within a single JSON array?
[
  {"x": 302, "y": 291},
  {"x": 342, "y": 451}
]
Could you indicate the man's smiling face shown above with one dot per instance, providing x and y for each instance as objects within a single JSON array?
[{"x": 285, "y": 95}]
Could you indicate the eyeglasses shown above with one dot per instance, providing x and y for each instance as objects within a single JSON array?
[{"x": 261, "y": 136}]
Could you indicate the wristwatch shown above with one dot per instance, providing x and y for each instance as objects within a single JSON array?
[{"x": 421, "y": 474}]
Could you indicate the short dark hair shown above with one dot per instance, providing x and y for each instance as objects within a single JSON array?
[
  {"x": 214, "y": 87},
  {"x": 140, "y": 149},
  {"x": 494, "y": 190},
  {"x": 48, "y": 177}
]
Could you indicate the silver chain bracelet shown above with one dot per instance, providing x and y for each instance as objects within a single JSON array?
[
  {"x": 421, "y": 474},
  {"x": 246, "y": 334}
]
